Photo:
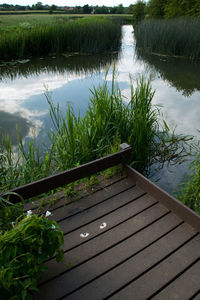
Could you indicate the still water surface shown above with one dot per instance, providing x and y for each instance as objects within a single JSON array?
[{"x": 69, "y": 79}]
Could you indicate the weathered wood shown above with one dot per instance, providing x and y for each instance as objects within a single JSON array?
[
  {"x": 161, "y": 274},
  {"x": 184, "y": 287},
  {"x": 95, "y": 203},
  {"x": 175, "y": 205},
  {"x": 103, "y": 242},
  {"x": 52, "y": 182},
  {"x": 143, "y": 244},
  {"x": 62, "y": 200},
  {"x": 111, "y": 219},
  {"x": 135, "y": 265}
]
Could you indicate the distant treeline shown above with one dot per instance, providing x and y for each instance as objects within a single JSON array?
[
  {"x": 165, "y": 9},
  {"x": 86, "y": 9}
]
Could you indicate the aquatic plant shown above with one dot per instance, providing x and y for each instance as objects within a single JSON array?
[
  {"x": 176, "y": 37},
  {"x": 82, "y": 35},
  {"x": 189, "y": 193},
  {"x": 108, "y": 121}
]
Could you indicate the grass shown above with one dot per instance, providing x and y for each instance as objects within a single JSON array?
[
  {"x": 190, "y": 190},
  {"x": 82, "y": 35},
  {"x": 176, "y": 37},
  {"x": 108, "y": 122}
]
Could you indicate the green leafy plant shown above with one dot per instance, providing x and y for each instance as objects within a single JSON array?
[
  {"x": 190, "y": 191},
  {"x": 9, "y": 212},
  {"x": 23, "y": 251}
]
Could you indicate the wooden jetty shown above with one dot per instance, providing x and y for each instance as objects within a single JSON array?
[{"x": 127, "y": 240}]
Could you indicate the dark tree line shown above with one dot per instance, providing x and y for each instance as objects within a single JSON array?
[
  {"x": 165, "y": 9},
  {"x": 86, "y": 9}
]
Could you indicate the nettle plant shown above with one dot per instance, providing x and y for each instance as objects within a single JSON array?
[{"x": 23, "y": 251}]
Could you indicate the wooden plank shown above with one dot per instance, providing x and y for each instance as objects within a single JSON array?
[
  {"x": 101, "y": 243},
  {"x": 78, "y": 207},
  {"x": 196, "y": 296},
  {"x": 161, "y": 274},
  {"x": 129, "y": 249},
  {"x": 95, "y": 212},
  {"x": 135, "y": 265},
  {"x": 173, "y": 204},
  {"x": 61, "y": 199},
  {"x": 184, "y": 287},
  {"x": 44, "y": 185},
  {"x": 112, "y": 219}
]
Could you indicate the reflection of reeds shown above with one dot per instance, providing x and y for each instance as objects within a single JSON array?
[
  {"x": 177, "y": 37},
  {"x": 76, "y": 140},
  {"x": 74, "y": 63},
  {"x": 179, "y": 72},
  {"x": 91, "y": 35}
]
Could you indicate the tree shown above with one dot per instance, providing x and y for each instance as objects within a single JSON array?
[
  {"x": 53, "y": 7},
  {"x": 101, "y": 10},
  {"x": 120, "y": 9},
  {"x": 38, "y": 6},
  {"x": 87, "y": 9},
  {"x": 156, "y": 8},
  {"x": 139, "y": 11}
]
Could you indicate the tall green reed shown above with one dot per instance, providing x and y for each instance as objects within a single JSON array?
[
  {"x": 91, "y": 35},
  {"x": 108, "y": 121},
  {"x": 175, "y": 37}
]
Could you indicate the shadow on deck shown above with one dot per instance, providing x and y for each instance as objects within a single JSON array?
[{"x": 127, "y": 240}]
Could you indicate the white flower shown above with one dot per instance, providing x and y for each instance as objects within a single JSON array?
[
  {"x": 53, "y": 226},
  {"x": 103, "y": 225},
  {"x": 84, "y": 235},
  {"x": 48, "y": 213},
  {"x": 13, "y": 224},
  {"x": 29, "y": 213}
]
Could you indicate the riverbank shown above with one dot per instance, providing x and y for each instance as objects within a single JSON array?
[
  {"x": 176, "y": 37},
  {"x": 83, "y": 35}
]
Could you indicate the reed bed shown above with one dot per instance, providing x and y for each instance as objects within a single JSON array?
[
  {"x": 88, "y": 35},
  {"x": 108, "y": 122},
  {"x": 176, "y": 37}
]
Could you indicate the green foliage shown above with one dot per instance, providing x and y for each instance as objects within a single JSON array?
[
  {"x": 139, "y": 10},
  {"x": 156, "y": 8},
  {"x": 173, "y": 8},
  {"x": 23, "y": 251},
  {"x": 190, "y": 192},
  {"x": 108, "y": 122},
  {"x": 9, "y": 212},
  {"x": 177, "y": 37},
  {"x": 177, "y": 8},
  {"x": 83, "y": 35}
]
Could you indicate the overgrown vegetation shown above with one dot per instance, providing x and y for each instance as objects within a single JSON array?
[
  {"x": 165, "y": 9},
  {"x": 108, "y": 121},
  {"x": 176, "y": 37},
  {"x": 82, "y": 35},
  {"x": 23, "y": 251},
  {"x": 190, "y": 191}
]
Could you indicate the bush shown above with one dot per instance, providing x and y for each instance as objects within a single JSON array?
[
  {"x": 190, "y": 192},
  {"x": 23, "y": 251}
]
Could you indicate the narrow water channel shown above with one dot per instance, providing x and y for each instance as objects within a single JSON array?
[{"x": 69, "y": 79}]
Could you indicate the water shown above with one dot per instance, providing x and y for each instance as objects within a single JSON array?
[{"x": 68, "y": 80}]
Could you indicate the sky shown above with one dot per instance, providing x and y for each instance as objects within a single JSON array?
[{"x": 72, "y": 2}]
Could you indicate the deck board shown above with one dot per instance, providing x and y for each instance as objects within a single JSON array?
[
  {"x": 144, "y": 244},
  {"x": 161, "y": 274}
]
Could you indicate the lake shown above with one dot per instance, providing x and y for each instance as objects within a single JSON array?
[{"x": 69, "y": 78}]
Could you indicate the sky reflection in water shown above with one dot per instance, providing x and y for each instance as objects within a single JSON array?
[{"x": 69, "y": 79}]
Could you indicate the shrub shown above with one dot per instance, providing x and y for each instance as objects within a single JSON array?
[{"x": 23, "y": 251}]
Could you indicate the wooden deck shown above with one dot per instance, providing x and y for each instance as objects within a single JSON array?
[{"x": 128, "y": 240}]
